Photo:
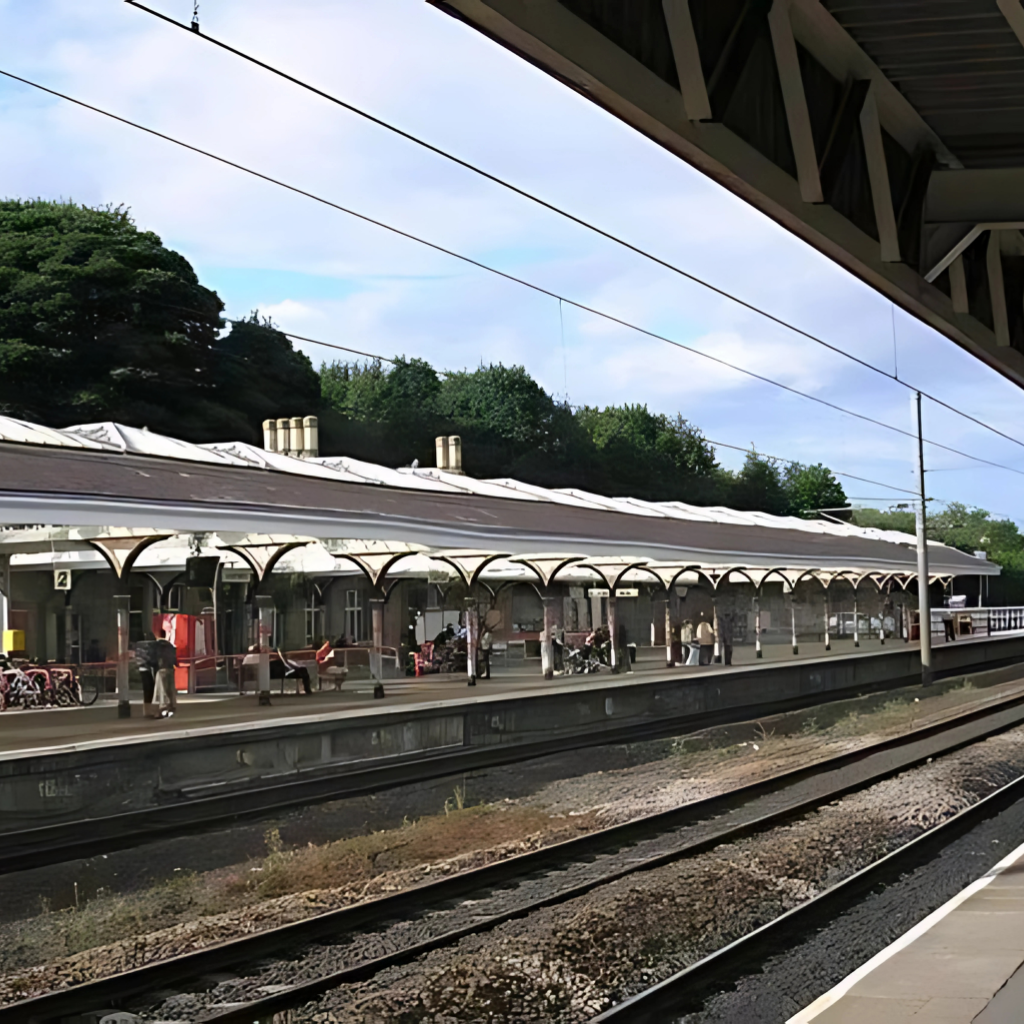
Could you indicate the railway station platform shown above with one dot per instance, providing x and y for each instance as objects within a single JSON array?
[
  {"x": 223, "y": 752},
  {"x": 964, "y": 963},
  {"x": 48, "y": 731}
]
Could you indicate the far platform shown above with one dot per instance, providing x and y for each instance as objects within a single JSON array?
[{"x": 48, "y": 731}]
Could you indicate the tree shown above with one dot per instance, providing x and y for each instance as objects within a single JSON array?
[
  {"x": 259, "y": 374},
  {"x": 501, "y": 401},
  {"x": 99, "y": 320},
  {"x": 648, "y": 455},
  {"x": 810, "y": 488},
  {"x": 759, "y": 486}
]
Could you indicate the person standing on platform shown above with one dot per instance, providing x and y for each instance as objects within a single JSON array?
[
  {"x": 486, "y": 643},
  {"x": 147, "y": 658},
  {"x": 165, "y": 695},
  {"x": 706, "y": 640}
]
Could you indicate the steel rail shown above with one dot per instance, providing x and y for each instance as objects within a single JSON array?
[
  {"x": 689, "y": 988},
  {"x": 60, "y": 842},
  {"x": 910, "y": 749}
]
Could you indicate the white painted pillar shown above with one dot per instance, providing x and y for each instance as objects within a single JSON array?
[
  {"x": 828, "y": 639},
  {"x": 376, "y": 656},
  {"x": 669, "y": 660},
  {"x": 758, "y": 653},
  {"x": 856, "y": 622},
  {"x": 547, "y": 645},
  {"x": 472, "y": 639},
  {"x": 613, "y": 631},
  {"x": 792, "y": 615},
  {"x": 716, "y": 655},
  {"x": 264, "y": 630},
  {"x": 122, "y": 604}
]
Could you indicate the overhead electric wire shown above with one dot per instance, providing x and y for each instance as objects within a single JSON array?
[
  {"x": 341, "y": 348},
  {"x": 380, "y": 122},
  {"x": 500, "y": 273}
]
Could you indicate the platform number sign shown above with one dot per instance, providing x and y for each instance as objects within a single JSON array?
[{"x": 61, "y": 579}]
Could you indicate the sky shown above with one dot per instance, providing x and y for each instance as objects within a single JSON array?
[{"x": 321, "y": 273}]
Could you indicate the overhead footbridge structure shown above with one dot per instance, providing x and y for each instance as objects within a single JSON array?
[{"x": 889, "y": 134}]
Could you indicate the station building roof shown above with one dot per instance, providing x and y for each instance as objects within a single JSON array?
[{"x": 107, "y": 480}]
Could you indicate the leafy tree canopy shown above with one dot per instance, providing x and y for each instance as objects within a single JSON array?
[{"x": 99, "y": 320}]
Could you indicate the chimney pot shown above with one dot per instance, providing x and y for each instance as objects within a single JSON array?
[
  {"x": 269, "y": 435},
  {"x": 311, "y": 430},
  {"x": 441, "y": 446},
  {"x": 283, "y": 436},
  {"x": 455, "y": 454},
  {"x": 297, "y": 438}
]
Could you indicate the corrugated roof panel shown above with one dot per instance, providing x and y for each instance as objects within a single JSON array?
[
  {"x": 21, "y": 432},
  {"x": 139, "y": 441}
]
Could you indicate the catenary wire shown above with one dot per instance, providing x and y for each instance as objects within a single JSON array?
[
  {"x": 618, "y": 240},
  {"x": 539, "y": 289}
]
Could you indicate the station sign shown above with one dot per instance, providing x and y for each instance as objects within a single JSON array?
[
  {"x": 627, "y": 591},
  {"x": 598, "y": 592},
  {"x": 61, "y": 579}
]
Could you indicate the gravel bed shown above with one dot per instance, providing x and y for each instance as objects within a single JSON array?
[
  {"x": 112, "y": 913},
  {"x": 568, "y": 962},
  {"x": 794, "y": 979}
]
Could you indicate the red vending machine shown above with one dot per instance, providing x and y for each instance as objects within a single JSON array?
[{"x": 194, "y": 638}]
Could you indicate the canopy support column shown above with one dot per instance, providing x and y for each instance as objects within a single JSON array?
[
  {"x": 669, "y": 659},
  {"x": 472, "y": 639},
  {"x": 377, "y": 623},
  {"x": 265, "y": 612},
  {"x": 758, "y": 653},
  {"x": 122, "y": 603},
  {"x": 547, "y": 643},
  {"x": 613, "y": 654}
]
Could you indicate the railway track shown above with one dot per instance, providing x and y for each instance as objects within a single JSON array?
[
  {"x": 718, "y": 820},
  {"x": 687, "y": 990}
]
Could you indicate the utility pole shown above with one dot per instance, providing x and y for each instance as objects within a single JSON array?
[{"x": 923, "y": 602}]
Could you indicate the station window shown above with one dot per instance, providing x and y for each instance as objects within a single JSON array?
[{"x": 354, "y": 624}]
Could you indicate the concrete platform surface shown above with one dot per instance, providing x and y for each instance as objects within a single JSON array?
[
  {"x": 51, "y": 731},
  {"x": 962, "y": 964}
]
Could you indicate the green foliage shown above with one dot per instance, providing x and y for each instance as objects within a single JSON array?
[
  {"x": 810, "y": 488},
  {"x": 99, "y": 320},
  {"x": 257, "y": 371},
  {"x": 759, "y": 486},
  {"x": 968, "y": 530}
]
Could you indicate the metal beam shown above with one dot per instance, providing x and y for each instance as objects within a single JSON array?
[
  {"x": 687, "y": 57},
  {"x": 997, "y": 288},
  {"x": 1014, "y": 14},
  {"x": 878, "y": 175},
  {"x": 989, "y": 195},
  {"x": 797, "y": 115},
  {"x": 958, "y": 286}
]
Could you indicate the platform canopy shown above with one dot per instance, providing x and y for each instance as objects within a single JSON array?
[
  {"x": 889, "y": 134},
  {"x": 150, "y": 488}
]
